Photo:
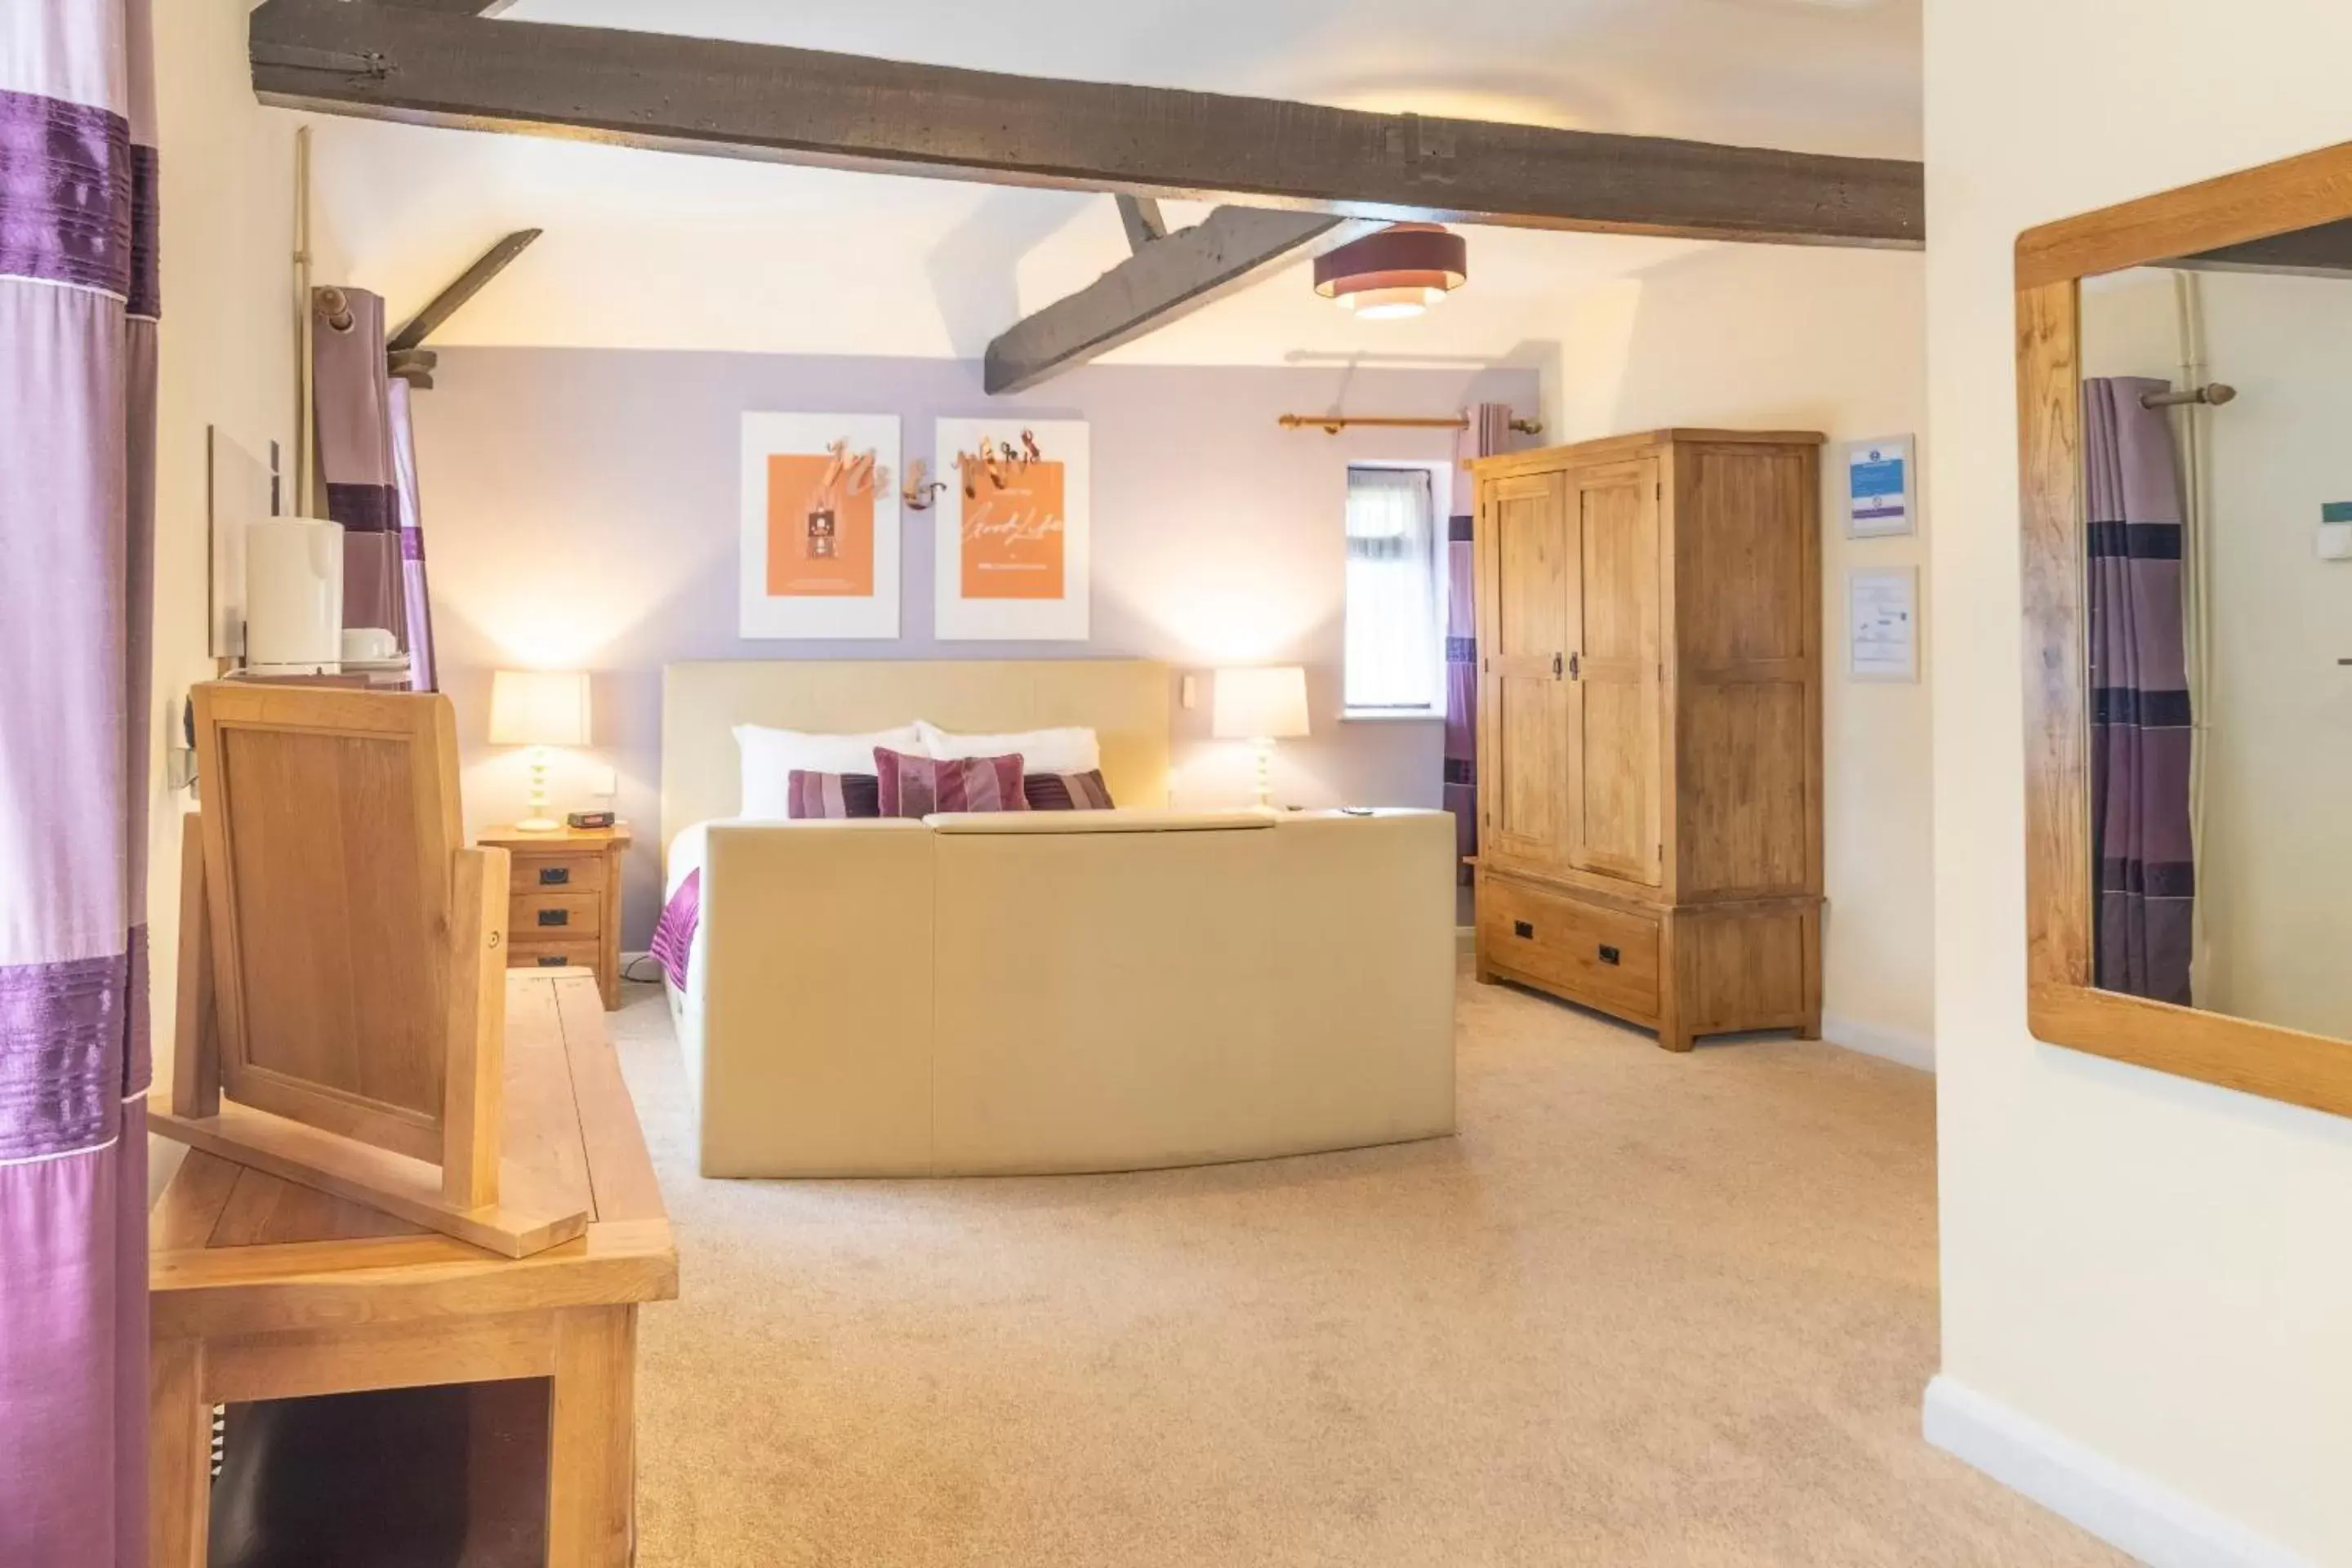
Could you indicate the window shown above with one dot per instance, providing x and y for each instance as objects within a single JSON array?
[{"x": 1396, "y": 595}]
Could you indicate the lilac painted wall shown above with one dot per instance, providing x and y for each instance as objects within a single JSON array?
[{"x": 580, "y": 511}]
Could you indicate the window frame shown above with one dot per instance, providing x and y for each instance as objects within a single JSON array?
[{"x": 1441, "y": 480}]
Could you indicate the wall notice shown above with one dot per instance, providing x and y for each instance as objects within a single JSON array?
[
  {"x": 1883, "y": 623},
  {"x": 1878, "y": 480}
]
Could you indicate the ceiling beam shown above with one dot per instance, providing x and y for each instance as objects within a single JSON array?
[
  {"x": 1140, "y": 216},
  {"x": 470, "y": 282},
  {"x": 456, "y": 8},
  {"x": 805, "y": 106},
  {"x": 1165, "y": 278}
]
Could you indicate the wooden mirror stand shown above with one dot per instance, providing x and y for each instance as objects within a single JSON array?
[{"x": 2064, "y": 1007}]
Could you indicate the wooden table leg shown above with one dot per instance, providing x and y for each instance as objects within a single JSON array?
[
  {"x": 591, "y": 1451},
  {"x": 179, "y": 1456}
]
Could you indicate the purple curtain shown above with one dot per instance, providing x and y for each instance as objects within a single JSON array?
[
  {"x": 78, "y": 307},
  {"x": 1489, "y": 432},
  {"x": 2140, "y": 733},
  {"x": 352, "y": 402},
  {"x": 417, "y": 633}
]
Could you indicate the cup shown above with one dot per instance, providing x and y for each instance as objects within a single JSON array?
[{"x": 369, "y": 644}]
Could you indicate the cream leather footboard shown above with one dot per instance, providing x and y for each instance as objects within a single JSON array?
[{"x": 1080, "y": 991}]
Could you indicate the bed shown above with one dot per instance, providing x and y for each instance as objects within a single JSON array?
[{"x": 1033, "y": 991}]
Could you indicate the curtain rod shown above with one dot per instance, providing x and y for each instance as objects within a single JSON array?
[
  {"x": 1332, "y": 424},
  {"x": 2212, "y": 396}
]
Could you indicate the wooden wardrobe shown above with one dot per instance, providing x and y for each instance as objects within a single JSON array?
[{"x": 1650, "y": 728}]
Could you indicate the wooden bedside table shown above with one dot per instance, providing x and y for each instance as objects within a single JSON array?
[{"x": 564, "y": 905}]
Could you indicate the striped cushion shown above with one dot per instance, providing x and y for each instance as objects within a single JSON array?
[
  {"x": 808, "y": 794},
  {"x": 1066, "y": 792},
  {"x": 917, "y": 786}
]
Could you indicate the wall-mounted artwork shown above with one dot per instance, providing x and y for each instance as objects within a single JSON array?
[
  {"x": 820, "y": 544},
  {"x": 1012, "y": 534}
]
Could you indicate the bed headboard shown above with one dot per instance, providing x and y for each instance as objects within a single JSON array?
[{"x": 1124, "y": 700}]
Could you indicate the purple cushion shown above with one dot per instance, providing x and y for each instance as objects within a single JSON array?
[
  {"x": 674, "y": 936},
  {"x": 828, "y": 795},
  {"x": 917, "y": 786},
  {"x": 1066, "y": 792}
]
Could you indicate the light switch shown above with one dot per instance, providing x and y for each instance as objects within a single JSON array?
[
  {"x": 608, "y": 783},
  {"x": 1188, "y": 691}
]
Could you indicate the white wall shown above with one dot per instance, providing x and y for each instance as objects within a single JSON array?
[
  {"x": 2276, "y": 714},
  {"x": 1780, "y": 338},
  {"x": 226, "y": 359},
  {"x": 580, "y": 511},
  {"x": 2146, "y": 1280}
]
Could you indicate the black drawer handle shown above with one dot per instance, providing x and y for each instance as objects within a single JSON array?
[
  {"x": 550, "y": 961},
  {"x": 555, "y": 917},
  {"x": 1523, "y": 928},
  {"x": 1610, "y": 954},
  {"x": 554, "y": 876}
]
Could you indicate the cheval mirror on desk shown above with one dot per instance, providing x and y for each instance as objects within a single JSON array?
[{"x": 2185, "y": 372}]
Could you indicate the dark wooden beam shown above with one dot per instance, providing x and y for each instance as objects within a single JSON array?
[
  {"x": 1140, "y": 215},
  {"x": 1165, "y": 278},
  {"x": 469, "y": 283},
  {"x": 456, "y": 8},
  {"x": 805, "y": 106}
]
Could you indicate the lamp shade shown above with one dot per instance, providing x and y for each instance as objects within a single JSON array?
[
  {"x": 538, "y": 708},
  {"x": 1264, "y": 703}
]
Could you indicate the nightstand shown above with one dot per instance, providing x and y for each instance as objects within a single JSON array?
[{"x": 563, "y": 901}]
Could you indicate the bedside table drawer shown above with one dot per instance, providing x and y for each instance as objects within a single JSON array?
[
  {"x": 580, "y": 873},
  {"x": 554, "y": 916},
  {"x": 526, "y": 952}
]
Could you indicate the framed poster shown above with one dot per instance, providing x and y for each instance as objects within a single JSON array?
[
  {"x": 820, "y": 546},
  {"x": 1014, "y": 535},
  {"x": 1878, "y": 489},
  {"x": 1883, "y": 623}
]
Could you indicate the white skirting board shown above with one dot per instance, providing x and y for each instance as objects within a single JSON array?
[
  {"x": 1875, "y": 1040},
  {"x": 2121, "y": 1506}
]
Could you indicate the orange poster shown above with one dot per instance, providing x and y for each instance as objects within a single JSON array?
[
  {"x": 820, "y": 529},
  {"x": 1014, "y": 533}
]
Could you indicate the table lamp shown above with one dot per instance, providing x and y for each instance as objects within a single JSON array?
[
  {"x": 1260, "y": 705},
  {"x": 539, "y": 709}
]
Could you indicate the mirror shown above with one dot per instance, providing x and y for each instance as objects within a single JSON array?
[{"x": 2216, "y": 489}]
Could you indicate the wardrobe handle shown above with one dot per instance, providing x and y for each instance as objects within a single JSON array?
[
  {"x": 1555, "y": 666},
  {"x": 1575, "y": 665}
]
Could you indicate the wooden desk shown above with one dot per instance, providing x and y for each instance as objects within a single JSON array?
[{"x": 261, "y": 1289}]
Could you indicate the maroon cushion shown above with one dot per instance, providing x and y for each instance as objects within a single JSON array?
[
  {"x": 808, "y": 794},
  {"x": 1066, "y": 792},
  {"x": 917, "y": 786}
]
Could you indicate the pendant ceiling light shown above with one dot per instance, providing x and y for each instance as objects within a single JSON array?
[{"x": 1402, "y": 270}]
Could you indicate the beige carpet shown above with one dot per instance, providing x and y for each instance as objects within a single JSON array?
[{"x": 1645, "y": 1309}]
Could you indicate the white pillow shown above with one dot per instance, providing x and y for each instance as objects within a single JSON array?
[
  {"x": 1068, "y": 751},
  {"x": 770, "y": 755}
]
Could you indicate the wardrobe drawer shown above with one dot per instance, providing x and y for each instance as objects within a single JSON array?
[
  {"x": 551, "y": 917},
  {"x": 1601, "y": 955},
  {"x": 524, "y": 953},
  {"x": 583, "y": 873}
]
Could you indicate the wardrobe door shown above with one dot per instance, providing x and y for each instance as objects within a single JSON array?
[
  {"x": 1615, "y": 810},
  {"x": 1526, "y": 565}
]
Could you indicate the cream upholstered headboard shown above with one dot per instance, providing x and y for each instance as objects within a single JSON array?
[{"x": 1125, "y": 700}]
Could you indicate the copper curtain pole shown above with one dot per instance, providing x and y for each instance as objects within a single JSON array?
[{"x": 1332, "y": 424}]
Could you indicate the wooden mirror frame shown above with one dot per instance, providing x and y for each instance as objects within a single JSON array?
[{"x": 2062, "y": 1005}]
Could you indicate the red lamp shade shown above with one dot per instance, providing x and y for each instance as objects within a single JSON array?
[{"x": 1402, "y": 270}]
